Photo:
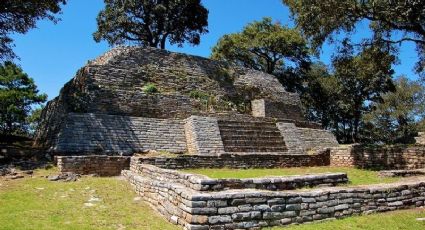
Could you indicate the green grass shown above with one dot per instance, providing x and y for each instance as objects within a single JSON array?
[
  {"x": 356, "y": 176},
  {"x": 36, "y": 203}
]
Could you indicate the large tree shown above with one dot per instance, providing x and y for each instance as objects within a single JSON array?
[
  {"x": 268, "y": 47},
  {"x": 18, "y": 93},
  {"x": 364, "y": 77},
  {"x": 396, "y": 119},
  {"x": 392, "y": 22},
  {"x": 152, "y": 22},
  {"x": 19, "y": 16},
  {"x": 340, "y": 98}
]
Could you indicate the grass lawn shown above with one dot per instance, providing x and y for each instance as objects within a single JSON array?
[
  {"x": 356, "y": 176},
  {"x": 36, "y": 203}
]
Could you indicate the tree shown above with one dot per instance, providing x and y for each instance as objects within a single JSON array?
[
  {"x": 339, "y": 98},
  {"x": 396, "y": 120},
  {"x": 33, "y": 120},
  {"x": 321, "y": 96},
  {"x": 17, "y": 94},
  {"x": 19, "y": 16},
  {"x": 268, "y": 47},
  {"x": 364, "y": 77},
  {"x": 392, "y": 22},
  {"x": 152, "y": 22}
]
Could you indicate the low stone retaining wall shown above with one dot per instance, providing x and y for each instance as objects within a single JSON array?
[
  {"x": 379, "y": 157},
  {"x": 237, "y": 161},
  {"x": 252, "y": 209},
  {"x": 402, "y": 173},
  {"x": 95, "y": 164},
  {"x": 204, "y": 183}
]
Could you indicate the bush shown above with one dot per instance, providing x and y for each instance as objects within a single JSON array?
[
  {"x": 150, "y": 88},
  {"x": 199, "y": 95}
]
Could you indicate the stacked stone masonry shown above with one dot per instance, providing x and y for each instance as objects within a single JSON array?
[
  {"x": 187, "y": 85},
  {"x": 203, "y": 136},
  {"x": 99, "y": 165},
  {"x": 253, "y": 209},
  {"x": 299, "y": 139},
  {"x": 86, "y": 133},
  {"x": 237, "y": 161},
  {"x": 204, "y": 183},
  {"x": 420, "y": 139},
  {"x": 378, "y": 157},
  {"x": 251, "y": 136},
  {"x": 103, "y": 134}
]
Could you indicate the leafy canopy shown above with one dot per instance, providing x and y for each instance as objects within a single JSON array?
[
  {"x": 340, "y": 98},
  {"x": 152, "y": 22},
  {"x": 392, "y": 22},
  {"x": 18, "y": 93},
  {"x": 19, "y": 16},
  {"x": 395, "y": 120},
  {"x": 263, "y": 45}
]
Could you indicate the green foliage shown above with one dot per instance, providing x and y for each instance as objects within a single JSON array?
[
  {"x": 196, "y": 94},
  {"x": 150, "y": 88},
  {"x": 395, "y": 119},
  {"x": 152, "y": 22},
  {"x": 18, "y": 93},
  {"x": 265, "y": 46},
  {"x": 340, "y": 99},
  {"x": 391, "y": 22},
  {"x": 33, "y": 120},
  {"x": 19, "y": 16}
]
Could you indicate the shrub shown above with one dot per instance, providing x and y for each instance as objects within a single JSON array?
[
  {"x": 150, "y": 88},
  {"x": 199, "y": 95}
]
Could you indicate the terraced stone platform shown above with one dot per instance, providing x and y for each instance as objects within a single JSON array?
[{"x": 201, "y": 203}]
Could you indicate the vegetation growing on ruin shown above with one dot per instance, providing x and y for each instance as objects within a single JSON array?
[
  {"x": 356, "y": 176},
  {"x": 150, "y": 88},
  {"x": 152, "y": 23}
]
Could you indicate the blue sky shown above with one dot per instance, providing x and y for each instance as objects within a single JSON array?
[{"x": 52, "y": 54}]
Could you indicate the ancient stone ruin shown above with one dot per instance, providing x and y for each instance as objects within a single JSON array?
[
  {"x": 208, "y": 114},
  {"x": 133, "y": 100}
]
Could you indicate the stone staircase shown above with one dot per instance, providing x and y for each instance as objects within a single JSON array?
[{"x": 251, "y": 136}]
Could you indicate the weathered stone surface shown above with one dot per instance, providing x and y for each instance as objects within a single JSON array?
[
  {"x": 384, "y": 157},
  {"x": 250, "y": 208},
  {"x": 99, "y": 165}
]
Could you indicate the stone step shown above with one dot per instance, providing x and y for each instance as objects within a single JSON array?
[
  {"x": 244, "y": 132},
  {"x": 254, "y": 149},
  {"x": 248, "y": 125},
  {"x": 259, "y": 143},
  {"x": 250, "y": 137}
]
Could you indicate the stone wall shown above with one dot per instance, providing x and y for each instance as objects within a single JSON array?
[
  {"x": 113, "y": 84},
  {"x": 237, "y": 161},
  {"x": 420, "y": 139},
  {"x": 95, "y": 164},
  {"x": 266, "y": 108},
  {"x": 203, "y": 136},
  {"x": 299, "y": 139},
  {"x": 110, "y": 134},
  {"x": 204, "y": 183},
  {"x": 378, "y": 157},
  {"x": 251, "y": 209}
]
